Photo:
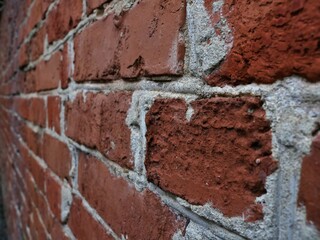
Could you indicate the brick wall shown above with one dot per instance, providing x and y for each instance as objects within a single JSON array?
[{"x": 156, "y": 119}]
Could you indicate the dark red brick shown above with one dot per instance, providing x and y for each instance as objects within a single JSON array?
[
  {"x": 222, "y": 155},
  {"x": 53, "y": 194},
  {"x": 57, "y": 231},
  {"x": 66, "y": 70},
  {"x": 62, "y": 18},
  {"x": 152, "y": 24},
  {"x": 57, "y": 156},
  {"x": 46, "y": 76},
  {"x": 284, "y": 41},
  {"x": 37, "y": 44},
  {"x": 95, "y": 51},
  {"x": 79, "y": 217},
  {"x": 102, "y": 190},
  {"x": 309, "y": 193},
  {"x": 100, "y": 122},
  {"x": 53, "y": 108},
  {"x": 133, "y": 34},
  {"x": 31, "y": 138},
  {"x": 32, "y": 109}
]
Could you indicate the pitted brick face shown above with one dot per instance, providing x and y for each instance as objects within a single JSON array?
[
  {"x": 271, "y": 40},
  {"x": 133, "y": 43},
  {"x": 99, "y": 121},
  {"x": 309, "y": 194},
  {"x": 222, "y": 155}
]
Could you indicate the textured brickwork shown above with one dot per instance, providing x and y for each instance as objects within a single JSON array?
[
  {"x": 284, "y": 40},
  {"x": 159, "y": 119},
  {"x": 223, "y": 133}
]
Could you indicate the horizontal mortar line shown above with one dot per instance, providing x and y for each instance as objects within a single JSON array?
[
  {"x": 149, "y": 86},
  {"x": 117, "y": 170},
  {"x": 113, "y": 167},
  {"x": 95, "y": 215},
  {"x": 170, "y": 200}
]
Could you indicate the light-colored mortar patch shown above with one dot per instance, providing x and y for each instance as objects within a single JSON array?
[{"x": 206, "y": 46}]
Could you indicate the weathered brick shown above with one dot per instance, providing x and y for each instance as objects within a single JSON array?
[
  {"x": 36, "y": 170},
  {"x": 57, "y": 231},
  {"x": 99, "y": 121},
  {"x": 95, "y": 51},
  {"x": 67, "y": 67},
  {"x": 38, "y": 10},
  {"x": 37, "y": 44},
  {"x": 79, "y": 217},
  {"x": 62, "y": 18},
  {"x": 284, "y": 41},
  {"x": 31, "y": 138},
  {"x": 222, "y": 155},
  {"x": 101, "y": 189},
  {"x": 133, "y": 34},
  {"x": 47, "y": 74},
  {"x": 309, "y": 193},
  {"x": 57, "y": 156},
  {"x": 142, "y": 30},
  {"x": 53, "y": 194},
  {"x": 53, "y": 109},
  {"x": 32, "y": 109}
]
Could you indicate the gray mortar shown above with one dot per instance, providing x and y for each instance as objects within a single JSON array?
[
  {"x": 293, "y": 108},
  {"x": 206, "y": 48}
]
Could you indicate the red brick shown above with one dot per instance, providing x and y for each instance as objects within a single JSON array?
[
  {"x": 32, "y": 109},
  {"x": 37, "y": 44},
  {"x": 222, "y": 155},
  {"x": 36, "y": 170},
  {"x": 152, "y": 24},
  {"x": 53, "y": 194},
  {"x": 23, "y": 55},
  {"x": 100, "y": 122},
  {"x": 57, "y": 231},
  {"x": 284, "y": 41},
  {"x": 67, "y": 69},
  {"x": 38, "y": 11},
  {"x": 133, "y": 34},
  {"x": 79, "y": 217},
  {"x": 309, "y": 193},
  {"x": 95, "y": 51},
  {"x": 57, "y": 156},
  {"x": 37, "y": 230},
  {"x": 102, "y": 190},
  {"x": 62, "y": 18},
  {"x": 53, "y": 107},
  {"x": 31, "y": 138},
  {"x": 47, "y": 74}
]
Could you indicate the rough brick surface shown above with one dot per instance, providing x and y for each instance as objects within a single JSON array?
[
  {"x": 133, "y": 36},
  {"x": 53, "y": 194},
  {"x": 99, "y": 121},
  {"x": 102, "y": 190},
  {"x": 80, "y": 217},
  {"x": 222, "y": 155},
  {"x": 47, "y": 75},
  {"x": 309, "y": 194},
  {"x": 283, "y": 36},
  {"x": 171, "y": 154},
  {"x": 65, "y": 16}
]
